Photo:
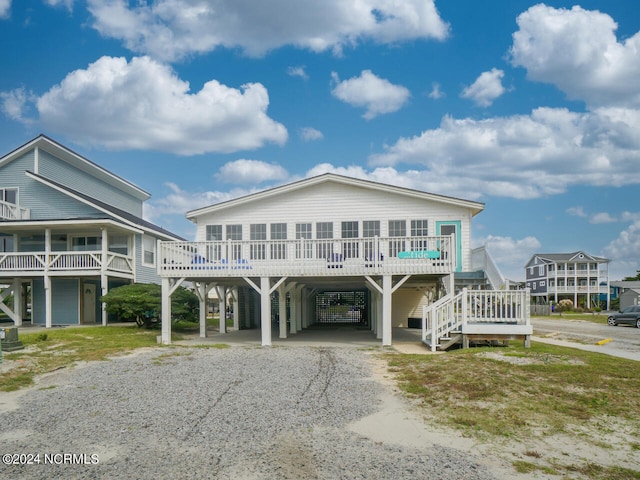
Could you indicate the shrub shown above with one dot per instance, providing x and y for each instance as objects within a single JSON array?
[
  {"x": 565, "y": 305},
  {"x": 142, "y": 303}
]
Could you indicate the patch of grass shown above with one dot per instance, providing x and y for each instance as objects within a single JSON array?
[
  {"x": 589, "y": 317},
  {"x": 536, "y": 391},
  {"x": 59, "y": 348}
]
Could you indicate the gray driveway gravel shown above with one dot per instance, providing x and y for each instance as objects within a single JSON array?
[{"x": 235, "y": 413}]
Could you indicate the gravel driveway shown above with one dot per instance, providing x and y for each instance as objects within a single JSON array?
[{"x": 235, "y": 413}]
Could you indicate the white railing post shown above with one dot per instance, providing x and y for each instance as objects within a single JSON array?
[
  {"x": 464, "y": 306},
  {"x": 434, "y": 329}
]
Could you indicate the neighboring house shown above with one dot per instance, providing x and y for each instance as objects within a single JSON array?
[
  {"x": 629, "y": 298},
  {"x": 333, "y": 249},
  {"x": 578, "y": 276},
  {"x": 69, "y": 231}
]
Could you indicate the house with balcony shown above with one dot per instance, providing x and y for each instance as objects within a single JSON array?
[
  {"x": 69, "y": 231},
  {"x": 578, "y": 276},
  {"x": 337, "y": 250}
]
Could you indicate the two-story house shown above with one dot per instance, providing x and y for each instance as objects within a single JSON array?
[
  {"x": 334, "y": 249},
  {"x": 578, "y": 276},
  {"x": 69, "y": 231}
]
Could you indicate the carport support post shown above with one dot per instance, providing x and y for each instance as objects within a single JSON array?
[
  {"x": 386, "y": 309},
  {"x": 166, "y": 312},
  {"x": 265, "y": 310},
  {"x": 282, "y": 311}
]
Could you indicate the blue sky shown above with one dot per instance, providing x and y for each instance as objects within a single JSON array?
[{"x": 531, "y": 108}]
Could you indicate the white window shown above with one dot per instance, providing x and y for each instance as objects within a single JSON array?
[
  {"x": 540, "y": 269},
  {"x": 119, "y": 244},
  {"x": 419, "y": 228},
  {"x": 303, "y": 231},
  {"x": 9, "y": 195},
  {"x": 278, "y": 232},
  {"x": 542, "y": 283},
  {"x": 148, "y": 251}
]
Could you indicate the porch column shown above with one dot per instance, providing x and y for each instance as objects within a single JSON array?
[
  {"x": 265, "y": 310},
  {"x": 104, "y": 279},
  {"x": 17, "y": 302},
  {"x": 222, "y": 308},
  {"x": 297, "y": 301},
  {"x": 386, "y": 309},
  {"x": 166, "y": 312},
  {"x": 236, "y": 309},
  {"x": 48, "y": 322},
  {"x": 202, "y": 290},
  {"x": 282, "y": 311}
]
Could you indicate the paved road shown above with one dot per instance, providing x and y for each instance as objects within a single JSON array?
[{"x": 624, "y": 340}]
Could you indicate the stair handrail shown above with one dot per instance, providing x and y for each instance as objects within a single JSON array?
[{"x": 439, "y": 318}]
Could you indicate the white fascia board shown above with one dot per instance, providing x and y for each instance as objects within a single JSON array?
[{"x": 30, "y": 224}]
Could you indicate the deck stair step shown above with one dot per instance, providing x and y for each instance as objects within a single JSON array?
[{"x": 448, "y": 342}]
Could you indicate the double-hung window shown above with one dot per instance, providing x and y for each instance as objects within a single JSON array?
[
  {"x": 234, "y": 233},
  {"x": 148, "y": 251},
  {"x": 370, "y": 229},
  {"x": 397, "y": 228},
  {"x": 214, "y": 234},
  {"x": 258, "y": 236},
  {"x": 420, "y": 231},
  {"x": 324, "y": 232},
  {"x": 303, "y": 231},
  {"x": 278, "y": 248},
  {"x": 350, "y": 248}
]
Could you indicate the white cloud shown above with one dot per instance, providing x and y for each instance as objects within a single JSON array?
[
  {"x": 624, "y": 252},
  {"x": 309, "y": 134},
  {"x": 15, "y": 103},
  {"x": 577, "y": 51},
  {"x": 5, "y": 8},
  {"x": 246, "y": 172},
  {"x": 143, "y": 105},
  {"x": 435, "y": 92},
  {"x": 602, "y": 217},
  {"x": 576, "y": 212},
  {"x": 377, "y": 95},
  {"x": 68, "y": 4},
  {"x": 486, "y": 88},
  {"x": 525, "y": 156},
  {"x": 298, "y": 72},
  {"x": 173, "y": 29},
  {"x": 510, "y": 255}
]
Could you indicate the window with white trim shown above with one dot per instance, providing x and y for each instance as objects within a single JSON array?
[
  {"x": 419, "y": 228},
  {"x": 148, "y": 251},
  {"x": 397, "y": 228},
  {"x": 257, "y": 233},
  {"x": 234, "y": 232},
  {"x": 350, "y": 230},
  {"x": 278, "y": 231},
  {"x": 9, "y": 195},
  {"x": 303, "y": 231},
  {"x": 86, "y": 244},
  {"x": 324, "y": 230}
]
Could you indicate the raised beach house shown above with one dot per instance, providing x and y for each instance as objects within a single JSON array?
[
  {"x": 333, "y": 249},
  {"x": 69, "y": 231}
]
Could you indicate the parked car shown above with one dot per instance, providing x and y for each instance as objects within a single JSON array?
[{"x": 629, "y": 316}]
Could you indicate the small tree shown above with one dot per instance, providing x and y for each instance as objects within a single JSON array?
[
  {"x": 565, "y": 305},
  {"x": 142, "y": 303}
]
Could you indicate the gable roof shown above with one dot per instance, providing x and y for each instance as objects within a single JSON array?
[
  {"x": 111, "y": 211},
  {"x": 475, "y": 207},
  {"x": 77, "y": 161},
  {"x": 579, "y": 256}
]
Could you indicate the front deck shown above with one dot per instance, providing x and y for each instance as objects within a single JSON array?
[
  {"x": 15, "y": 264},
  {"x": 308, "y": 258}
]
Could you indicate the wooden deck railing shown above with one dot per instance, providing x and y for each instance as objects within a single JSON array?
[
  {"x": 470, "y": 310},
  {"x": 330, "y": 257},
  {"x": 11, "y": 211},
  {"x": 16, "y": 262}
]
